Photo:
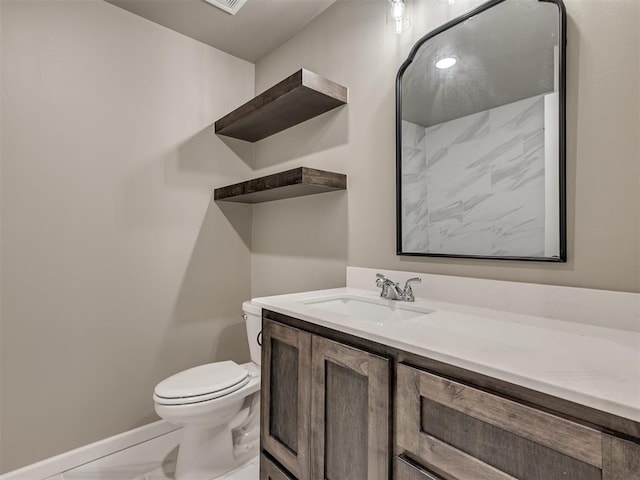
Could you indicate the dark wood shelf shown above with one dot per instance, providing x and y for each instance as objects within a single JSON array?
[
  {"x": 292, "y": 183},
  {"x": 294, "y": 100}
]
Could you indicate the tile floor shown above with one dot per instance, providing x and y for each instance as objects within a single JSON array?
[
  {"x": 151, "y": 460},
  {"x": 248, "y": 471}
]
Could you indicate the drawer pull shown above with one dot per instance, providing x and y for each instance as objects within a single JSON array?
[{"x": 409, "y": 470}]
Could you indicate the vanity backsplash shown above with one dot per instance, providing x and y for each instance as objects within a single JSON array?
[{"x": 605, "y": 308}]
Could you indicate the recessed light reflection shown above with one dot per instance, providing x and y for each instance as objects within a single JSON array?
[{"x": 447, "y": 62}]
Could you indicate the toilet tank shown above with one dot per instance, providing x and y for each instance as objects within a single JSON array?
[{"x": 253, "y": 319}]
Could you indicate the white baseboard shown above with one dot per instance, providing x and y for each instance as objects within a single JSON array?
[{"x": 66, "y": 461}]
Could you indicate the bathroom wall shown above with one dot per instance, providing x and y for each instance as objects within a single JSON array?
[
  {"x": 299, "y": 245},
  {"x": 118, "y": 269}
]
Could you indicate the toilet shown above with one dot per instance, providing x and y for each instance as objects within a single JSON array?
[{"x": 217, "y": 405}]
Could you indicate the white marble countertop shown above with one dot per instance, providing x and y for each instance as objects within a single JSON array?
[{"x": 591, "y": 365}]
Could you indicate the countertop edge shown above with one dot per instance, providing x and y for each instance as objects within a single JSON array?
[{"x": 290, "y": 305}]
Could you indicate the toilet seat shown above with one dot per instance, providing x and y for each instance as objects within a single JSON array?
[{"x": 200, "y": 384}]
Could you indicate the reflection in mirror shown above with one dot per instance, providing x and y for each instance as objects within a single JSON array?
[{"x": 480, "y": 136}]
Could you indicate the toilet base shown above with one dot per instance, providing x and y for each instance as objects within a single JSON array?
[{"x": 206, "y": 453}]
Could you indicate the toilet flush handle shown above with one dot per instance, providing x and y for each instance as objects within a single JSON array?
[{"x": 259, "y": 337}]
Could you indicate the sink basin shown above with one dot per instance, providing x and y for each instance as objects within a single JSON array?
[{"x": 378, "y": 311}]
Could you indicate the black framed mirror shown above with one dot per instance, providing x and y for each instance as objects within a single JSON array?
[{"x": 480, "y": 136}]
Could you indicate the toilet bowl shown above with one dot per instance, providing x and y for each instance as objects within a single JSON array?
[{"x": 217, "y": 405}]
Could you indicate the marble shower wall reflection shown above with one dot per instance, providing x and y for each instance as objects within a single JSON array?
[{"x": 476, "y": 185}]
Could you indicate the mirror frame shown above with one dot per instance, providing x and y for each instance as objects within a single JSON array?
[{"x": 562, "y": 64}]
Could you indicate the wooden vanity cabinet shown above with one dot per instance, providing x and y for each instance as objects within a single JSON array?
[
  {"x": 325, "y": 408},
  {"x": 339, "y": 407}
]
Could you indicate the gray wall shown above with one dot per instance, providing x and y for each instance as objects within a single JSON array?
[
  {"x": 352, "y": 44},
  {"x": 118, "y": 270}
]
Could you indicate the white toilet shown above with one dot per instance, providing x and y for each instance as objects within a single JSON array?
[{"x": 218, "y": 407}]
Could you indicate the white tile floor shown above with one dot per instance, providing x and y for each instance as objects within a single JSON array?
[
  {"x": 131, "y": 462},
  {"x": 248, "y": 471},
  {"x": 151, "y": 460}
]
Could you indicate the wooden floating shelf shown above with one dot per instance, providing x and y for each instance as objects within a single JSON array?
[
  {"x": 292, "y": 183},
  {"x": 300, "y": 97}
]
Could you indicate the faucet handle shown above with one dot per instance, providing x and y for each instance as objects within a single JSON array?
[
  {"x": 380, "y": 279},
  {"x": 408, "y": 291},
  {"x": 384, "y": 283},
  {"x": 408, "y": 283}
]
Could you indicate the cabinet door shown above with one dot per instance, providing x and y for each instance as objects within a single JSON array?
[
  {"x": 270, "y": 471},
  {"x": 286, "y": 396},
  {"x": 349, "y": 413},
  {"x": 462, "y": 433}
]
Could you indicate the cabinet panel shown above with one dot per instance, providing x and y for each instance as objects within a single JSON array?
[
  {"x": 286, "y": 396},
  {"x": 510, "y": 453},
  {"x": 346, "y": 418},
  {"x": 349, "y": 413},
  {"x": 283, "y": 425},
  {"x": 463, "y": 433}
]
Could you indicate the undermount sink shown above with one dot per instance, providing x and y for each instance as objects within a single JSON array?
[{"x": 379, "y": 311}]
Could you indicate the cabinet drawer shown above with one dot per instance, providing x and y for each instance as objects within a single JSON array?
[
  {"x": 270, "y": 471},
  {"x": 462, "y": 433}
]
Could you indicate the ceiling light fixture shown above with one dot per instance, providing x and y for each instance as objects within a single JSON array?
[
  {"x": 446, "y": 62},
  {"x": 397, "y": 14}
]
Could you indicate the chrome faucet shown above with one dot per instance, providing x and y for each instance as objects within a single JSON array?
[{"x": 392, "y": 290}]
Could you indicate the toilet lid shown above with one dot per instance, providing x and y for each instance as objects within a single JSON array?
[{"x": 203, "y": 382}]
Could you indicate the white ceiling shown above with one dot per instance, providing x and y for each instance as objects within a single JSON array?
[
  {"x": 504, "y": 54},
  {"x": 258, "y": 28}
]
